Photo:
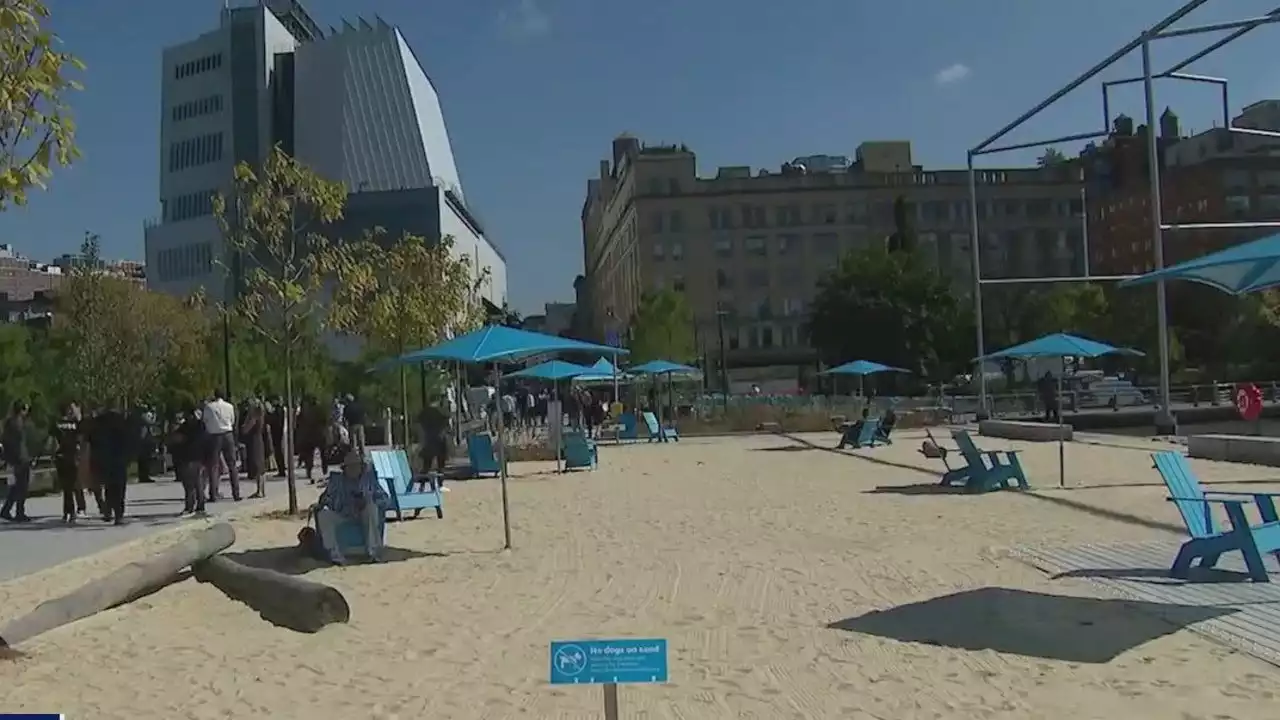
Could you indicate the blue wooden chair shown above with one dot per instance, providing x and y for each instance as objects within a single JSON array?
[
  {"x": 659, "y": 433},
  {"x": 628, "y": 429},
  {"x": 397, "y": 478},
  {"x": 1208, "y": 543},
  {"x": 985, "y": 470},
  {"x": 868, "y": 435},
  {"x": 350, "y": 536},
  {"x": 481, "y": 454},
  {"x": 579, "y": 450}
]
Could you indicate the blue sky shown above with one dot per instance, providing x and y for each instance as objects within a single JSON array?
[{"x": 534, "y": 90}]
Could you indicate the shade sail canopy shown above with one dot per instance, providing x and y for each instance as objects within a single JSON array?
[
  {"x": 663, "y": 367},
  {"x": 862, "y": 367},
  {"x": 1059, "y": 345},
  {"x": 1237, "y": 270},
  {"x": 552, "y": 370},
  {"x": 602, "y": 370},
  {"x": 498, "y": 342}
]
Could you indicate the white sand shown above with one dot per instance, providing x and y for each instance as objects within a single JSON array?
[{"x": 738, "y": 551}]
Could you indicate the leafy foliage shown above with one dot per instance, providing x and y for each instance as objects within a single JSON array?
[
  {"x": 272, "y": 225},
  {"x": 36, "y": 130},
  {"x": 890, "y": 308},
  {"x": 662, "y": 328}
]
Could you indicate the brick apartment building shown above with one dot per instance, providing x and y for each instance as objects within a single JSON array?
[
  {"x": 1214, "y": 176},
  {"x": 27, "y": 287}
]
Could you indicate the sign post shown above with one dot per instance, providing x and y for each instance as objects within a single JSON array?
[{"x": 608, "y": 663}]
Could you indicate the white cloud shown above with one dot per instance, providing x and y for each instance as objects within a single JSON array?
[
  {"x": 524, "y": 18},
  {"x": 952, "y": 74}
]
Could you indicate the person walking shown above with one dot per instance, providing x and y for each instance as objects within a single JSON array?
[
  {"x": 253, "y": 433},
  {"x": 18, "y": 455},
  {"x": 353, "y": 414},
  {"x": 67, "y": 437},
  {"x": 187, "y": 445},
  {"x": 433, "y": 430},
  {"x": 220, "y": 424},
  {"x": 146, "y": 455},
  {"x": 275, "y": 419},
  {"x": 312, "y": 436},
  {"x": 113, "y": 444}
]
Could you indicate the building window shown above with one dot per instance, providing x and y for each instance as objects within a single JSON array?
[
  {"x": 720, "y": 218},
  {"x": 756, "y": 245},
  {"x": 788, "y": 215},
  {"x": 723, "y": 280},
  {"x": 824, "y": 214},
  {"x": 1236, "y": 179},
  {"x": 1237, "y": 205},
  {"x": 1269, "y": 204},
  {"x": 196, "y": 108},
  {"x": 195, "y": 151},
  {"x": 677, "y": 283},
  {"x": 675, "y": 223},
  {"x": 753, "y": 216},
  {"x": 827, "y": 243},
  {"x": 724, "y": 247},
  {"x": 676, "y": 250},
  {"x": 791, "y": 307},
  {"x": 855, "y": 213},
  {"x": 659, "y": 251},
  {"x": 197, "y": 66},
  {"x": 187, "y": 261},
  {"x": 185, "y": 207},
  {"x": 791, "y": 276},
  {"x": 655, "y": 222},
  {"x": 788, "y": 244}
]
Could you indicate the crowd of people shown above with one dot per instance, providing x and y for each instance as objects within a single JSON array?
[{"x": 92, "y": 453}]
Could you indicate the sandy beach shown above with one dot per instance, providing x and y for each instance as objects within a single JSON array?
[{"x": 746, "y": 553}]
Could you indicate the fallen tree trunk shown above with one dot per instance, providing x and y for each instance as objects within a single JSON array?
[
  {"x": 280, "y": 599},
  {"x": 131, "y": 581}
]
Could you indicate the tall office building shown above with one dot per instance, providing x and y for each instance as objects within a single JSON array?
[
  {"x": 747, "y": 248},
  {"x": 353, "y": 104}
]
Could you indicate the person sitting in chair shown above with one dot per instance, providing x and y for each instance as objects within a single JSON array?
[
  {"x": 887, "y": 421},
  {"x": 854, "y": 431},
  {"x": 353, "y": 495}
]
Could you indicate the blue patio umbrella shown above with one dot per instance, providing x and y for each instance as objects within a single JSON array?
[
  {"x": 602, "y": 370},
  {"x": 1237, "y": 270},
  {"x": 554, "y": 371},
  {"x": 862, "y": 368},
  {"x": 1062, "y": 346},
  {"x": 664, "y": 367},
  {"x": 492, "y": 344}
]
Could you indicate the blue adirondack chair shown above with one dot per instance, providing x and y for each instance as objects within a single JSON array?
[
  {"x": 627, "y": 427},
  {"x": 481, "y": 454},
  {"x": 350, "y": 536},
  {"x": 579, "y": 450},
  {"x": 397, "y": 478},
  {"x": 659, "y": 433},
  {"x": 868, "y": 434},
  {"x": 985, "y": 470},
  {"x": 1207, "y": 542}
]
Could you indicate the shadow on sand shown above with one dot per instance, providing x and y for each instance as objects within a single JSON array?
[
  {"x": 294, "y": 560},
  {"x": 1054, "y": 627},
  {"x": 1158, "y": 576},
  {"x": 918, "y": 489}
]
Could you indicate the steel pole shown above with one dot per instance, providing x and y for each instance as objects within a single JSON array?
[
  {"x": 1164, "y": 418},
  {"x": 977, "y": 287}
]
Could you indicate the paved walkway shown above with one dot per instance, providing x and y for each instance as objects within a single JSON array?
[{"x": 31, "y": 547}]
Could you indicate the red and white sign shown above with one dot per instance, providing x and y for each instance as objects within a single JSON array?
[{"x": 1249, "y": 401}]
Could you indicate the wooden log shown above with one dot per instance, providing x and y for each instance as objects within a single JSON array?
[
  {"x": 280, "y": 599},
  {"x": 131, "y": 581}
]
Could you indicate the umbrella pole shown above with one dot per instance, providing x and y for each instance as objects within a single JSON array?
[
  {"x": 502, "y": 462},
  {"x": 559, "y": 424},
  {"x": 1062, "y": 464}
]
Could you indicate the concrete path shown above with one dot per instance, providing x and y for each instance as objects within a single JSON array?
[{"x": 31, "y": 547}]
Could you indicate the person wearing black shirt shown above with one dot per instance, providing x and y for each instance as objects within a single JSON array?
[
  {"x": 353, "y": 415},
  {"x": 113, "y": 443},
  {"x": 433, "y": 423},
  {"x": 275, "y": 433},
  {"x": 67, "y": 436},
  {"x": 18, "y": 455},
  {"x": 186, "y": 445}
]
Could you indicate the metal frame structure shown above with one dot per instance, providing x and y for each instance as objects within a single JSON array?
[{"x": 1159, "y": 31}]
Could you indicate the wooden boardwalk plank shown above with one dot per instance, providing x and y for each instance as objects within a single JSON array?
[{"x": 1138, "y": 572}]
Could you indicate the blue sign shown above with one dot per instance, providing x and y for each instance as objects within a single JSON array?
[{"x": 587, "y": 662}]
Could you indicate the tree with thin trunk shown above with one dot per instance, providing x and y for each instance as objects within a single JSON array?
[
  {"x": 272, "y": 223},
  {"x": 36, "y": 130},
  {"x": 402, "y": 295}
]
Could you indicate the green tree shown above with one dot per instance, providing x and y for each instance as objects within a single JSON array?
[
  {"x": 662, "y": 328},
  {"x": 403, "y": 295},
  {"x": 1051, "y": 156},
  {"x": 890, "y": 308},
  {"x": 36, "y": 130},
  {"x": 272, "y": 223},
  {"x": 18, "y": 376}
]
